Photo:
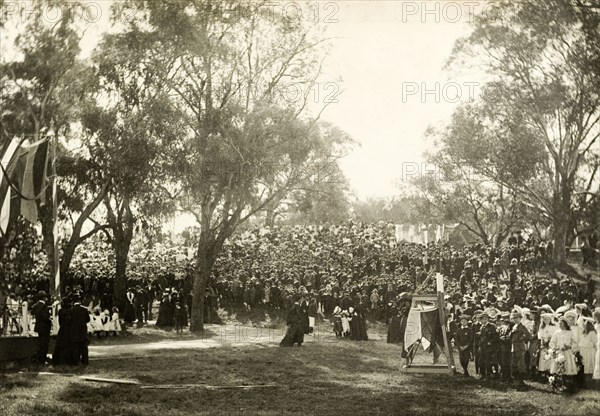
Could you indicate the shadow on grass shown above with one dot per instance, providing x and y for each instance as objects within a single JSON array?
[
  {"x": 309, "y": 381},
  {"x": 11, "y": 381}
]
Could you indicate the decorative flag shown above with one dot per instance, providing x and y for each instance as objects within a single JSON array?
[
  {"x": 23, "y": 179},
  {"x": 8, "y": 155},
  {"x": 57, "y": 278},
  {"x": 5, "y": 212},
  {"x": 34, "y": 180},
  {"x": 5, "y": 191},
  {"x": 423, "y": 324}
]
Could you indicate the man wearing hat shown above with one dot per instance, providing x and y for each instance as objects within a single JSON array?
[
  {"x": 488, "y": 346},
  {"x": 476, "y": 334},
  {"x": 504, "y": 331},
  {"x": 520, "y": 336},
  {"x": 43, "y": 324},
  {"x": 78, "y": 332},
  {"x": 464, "y": 342},
  {"x": 531, "y": 356}
]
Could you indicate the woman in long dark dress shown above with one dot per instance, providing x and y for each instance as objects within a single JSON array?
[
  {"x": 165, "y": 312},
  {"x": 404, "y": 309},
  {"x": 296, "y": 323},
  {"x": 61, "y": 353},
  {"x": 393, "y": 333},
  {"x": 358, "y": 324},
  {"x": 178, "y": 298}
]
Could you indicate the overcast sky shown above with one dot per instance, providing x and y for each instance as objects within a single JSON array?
[{"x": 391, "y": 56}]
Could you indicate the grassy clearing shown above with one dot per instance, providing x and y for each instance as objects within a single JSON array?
[{"x": 322, "y": 378}]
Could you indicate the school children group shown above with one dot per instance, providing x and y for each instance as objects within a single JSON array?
[{"x": 541, "y": 344}]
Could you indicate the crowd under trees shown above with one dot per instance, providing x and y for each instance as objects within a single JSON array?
[{"x": 185, "y": 107}]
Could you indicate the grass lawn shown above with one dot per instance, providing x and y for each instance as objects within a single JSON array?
[{"x": 327, "y": 377}]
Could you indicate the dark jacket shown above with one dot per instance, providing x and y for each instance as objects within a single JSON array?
[
  {"x": 43, "y": 323},
  {"x": 519, "y": 338},
  {"x": 79, "y": 319},
  {"x": 463, "y": 337},
  {"x": 488, "y": 338}
]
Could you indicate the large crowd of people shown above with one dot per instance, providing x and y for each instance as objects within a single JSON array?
[{"x": 352, "y": 273}]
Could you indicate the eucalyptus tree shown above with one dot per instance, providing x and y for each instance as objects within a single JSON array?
[
  {"x": 227, "y": 68},
  {"x": 536, "y": 127}
]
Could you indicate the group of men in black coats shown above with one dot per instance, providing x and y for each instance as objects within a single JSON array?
[
  {"x": 497, "y": 350},
  {"x": 72, "y": 341}
]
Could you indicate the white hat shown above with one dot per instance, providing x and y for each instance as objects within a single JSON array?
[
  {"x": 562, "y": 309},
  {"x": 571, "y": 313},
  {"x": 547, "y": 307}
]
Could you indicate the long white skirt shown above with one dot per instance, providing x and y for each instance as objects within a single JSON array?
[
  {"x": 570, "y": 367},
  {"x": 596, "y": 375},
  {"x": 345, "y": 324},
  {"x": 588, "y": 356},
  {"x": 544, "y": 365}
]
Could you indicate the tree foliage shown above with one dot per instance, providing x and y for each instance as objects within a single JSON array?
[
  {"x": 537, "y": 122},
  {"x": 224, "y": 67}
]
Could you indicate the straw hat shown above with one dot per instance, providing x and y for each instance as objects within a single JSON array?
[{"x": 571, "y": 314}]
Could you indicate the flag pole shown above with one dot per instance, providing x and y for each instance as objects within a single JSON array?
[{"x": 56, "y": 268}]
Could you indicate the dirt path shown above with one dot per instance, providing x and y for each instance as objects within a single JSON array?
[{"x": 218, "y": 336}]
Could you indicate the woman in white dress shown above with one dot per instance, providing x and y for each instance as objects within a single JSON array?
[
  {"x": 596, "y": 374},
  {"x": 588, "y": 345},
  {"x": 115, "y": 323},
  {"x": 562, "y": 343},
  {"x": 573, "y": 319},
  {"x": 545, "y": 332}
]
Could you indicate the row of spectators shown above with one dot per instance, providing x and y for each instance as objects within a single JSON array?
[{"x": 363, "y": 262}]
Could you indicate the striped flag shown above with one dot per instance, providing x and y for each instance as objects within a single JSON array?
[
  {"x": 8, "y": 165},
  {"x": 5, "y": 212},
  {"x": 34, "y": 180},
  {"x": 23, "y": 181}
]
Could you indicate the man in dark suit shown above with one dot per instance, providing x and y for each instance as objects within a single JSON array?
[
  {"x": 463, "y": 339},
  {"x": 488, "y": 345},
  {"x": 520, "y": 336},
  {"x": 476, "y": 327},
  {"x": 79, "y": 340},
  {"x": 43, "y": 325}
]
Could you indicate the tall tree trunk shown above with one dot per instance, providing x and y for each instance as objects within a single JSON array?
[
  {"x": 207, "y": 247},
  {"x": 122, "y": 225},
  {"x": 197, "y": 313},
  {"x": 121, "y": 247},
  {"x": 561, "y": 223}
]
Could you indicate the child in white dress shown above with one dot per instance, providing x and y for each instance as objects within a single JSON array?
[
  {"x": 562, "y": 343},
  {"x": 547, "y": 329},
  {"x": 596, "y": 373},
  {"x": 115, "y": 322},
  {"x": 588, "y": 345}
]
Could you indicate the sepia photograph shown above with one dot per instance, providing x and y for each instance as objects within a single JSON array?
[{"x": 299, "y": 207}]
